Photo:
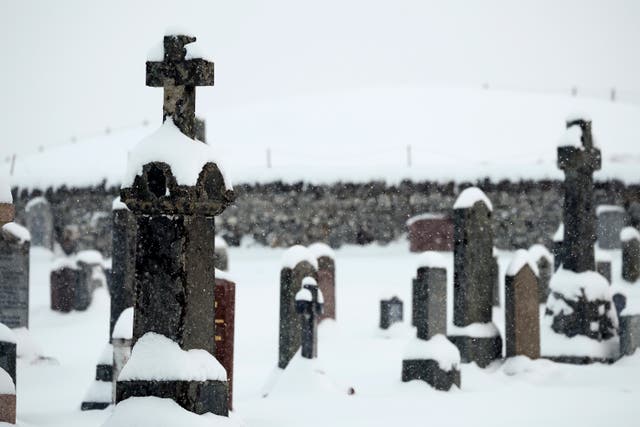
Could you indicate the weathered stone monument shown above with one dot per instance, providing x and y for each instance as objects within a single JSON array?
[
  {"x": 221, "y": 255},
  {"x": 309, "y": 305},
  {"x": 175, "y": 188},
  {"x": 474, "y": 333},
  {"x": 522, "y": 312},
  {"x": 326, "y": 278},
  {"x": 298, "y": 262},
  {"x": 391, "y": 311},
  {"x": 123, "y": 260},
  {"x": 629, "y": 333},
  {"x": 431, "y": 357},
  {"x": 225, "y": 316},
  {"x": 39, "y": 222},
  {"x": 14, "y": 275},
  {"x": 580, "y": 300},
  {"x": 630, "y": 238},
  {"x": 611, "y": 221},
  {"x": 544, "y": 261},
  {"x": 430, "y": 232},
  {"x": 64, "y": 277}
]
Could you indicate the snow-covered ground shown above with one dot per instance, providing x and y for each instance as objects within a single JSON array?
[{"x": 352, "y": 352}]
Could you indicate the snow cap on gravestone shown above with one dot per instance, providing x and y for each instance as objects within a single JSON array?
[
  {"x": 470, "y": 196},
  {"x": 297, "y": 254}
]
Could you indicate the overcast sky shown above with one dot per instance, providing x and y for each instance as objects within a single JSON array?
[{"x": 74, "y": 67}]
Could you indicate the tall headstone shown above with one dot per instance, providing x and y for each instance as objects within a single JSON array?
[
  {"x": 14, "y": 275},
  {"x": 630, "y": 238},
  {"x": 309, "y": 305},
  {"x": 123, "y": 261},
  {"x": 175, "y": 188},
  {"x": 473, "y": 280},
  {"x": 224, "y": 339},
  {"x": 326, "y": 278},
  {"x": 391, "y": 311},
  {"x": 544, "y": 261},
  {"x": 298, "y": 262},
  {"x": 522, "y": 312},
  {"x": 611, "y": 221},
  {"x": 39, "y": 222},
  {"x": 576, "y": 285}
]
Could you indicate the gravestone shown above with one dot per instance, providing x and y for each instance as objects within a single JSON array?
[
  {"x": 495, "y": 278},
  {"x": 603, "y": 267},
  {"x": 326, "y": 278},
  {"x": 629, "y": 334},
  {"x": 298, "y": 262},
  {"x": 544, "y": 261},
  {"x": 473, "y": 283},
  {"x": 175, "y": 198},
  {"x": 39, "y": 222},
  {"x": 430, "y": 232},
  {"x": 611, "y": 221},
  {"x": 8, "y": 352},
  {"x": 309, "y": 305},
  {"x": 557, "y": 248},
  {"x": 64, "y": 279},
  {"x": 100, "y": 394},
  {"x": 630, "y": 238},
  {"x": 225, "y": 314},
  {"x": 522, "y": 313},
  {"x": 221, "y": 256},
  {"x": 91, "y": 266},
  {"x": 580, "y": 301},
  {"x": 619, "y": 302},
  {"x": 14, "y": 275},
  {"x": 391, "y": 311},
  {"x": 123, "y": 261}
]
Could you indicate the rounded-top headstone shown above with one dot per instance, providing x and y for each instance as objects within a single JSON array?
[{"x": 470, "y": 196}]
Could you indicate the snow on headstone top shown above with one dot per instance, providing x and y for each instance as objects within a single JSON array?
[
  {"x": 577, "y": 115},
  {"x": 572, "y": 285},
  {"x": 538, "y": 251},
  {"x": 629, "y": 233},
  {"x": 224, "y": 275},
  {"x": 34, "y": 202},
  {"x": 64, "y": 262},
  {"x": 469, "y": 197},
  {"x": 17, "y": 231},
  {"x": 437, "y": 348},
  {"x": 475, "y": 330},
  {"x": 559, "y": 234},
  {"x": 603, "y": 255},
  {"x": 6, "y": 383},
  {"x": 220, "y": 242},
  {"x": 424, "y": 216},
  {"x": 169, "y": 145},
  {"x": 6, "y": 334},
  {"x": 123, "y": 328},
  {"x": 90, "y": 256},
  {"x": 297, "y": 254},
  {"x": 519, "y": 260},
  {"x": 304, "y": 294},
  {"x": 118, "y": 205},
  {"x": 156, "y": 358},
  {"x": 106, "y": 357},
  {"x": 609, "y": 208},
  {"x": 320, "y": 249},
  {"x": 432, "y": 259},
  {"x": 309, "y": 281},
  {"x": 154, "y": 411}
]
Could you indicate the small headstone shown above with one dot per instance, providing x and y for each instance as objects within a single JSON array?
[
  {"x": 64, "y": 279},
  {"x": 611, "y": 221},
  {"x": 473, "y": 279},
  {"x": 391, "y": 311},
  {"x": 221, "y": 256},
  {"x": 429, "y": 305},
  {"x": 298, "y": 262},
  {"x": 603, "y": 267},
  {"x": 629, "y": 334},
  {"x": 557, "y": 248},
  {"x": 522, "y": 312},
  {"x": 430, "y": 232},
  {"x": 309, "y": 305},
  {"x": 326, "y": 278},
  {"x": 14, "y": 275},
  {"x": 123, "y": 262},
  {"x": 39, "y": 222},
  {"x": 630, "y": 238},
  {"x": 544, "y": 260},
  {"x": 225, "y": 315},
  {"x": 91, "y": 265}
]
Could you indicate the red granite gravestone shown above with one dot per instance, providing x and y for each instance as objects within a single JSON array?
[
  {"x": 225, "y": 312},
  {"x": 430, "y": 232}
]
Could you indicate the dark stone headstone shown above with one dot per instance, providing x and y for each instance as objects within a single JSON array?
[
  {"x": 225, "y": 309},
  {"x": 298, "y": 263},
  {"x": 430, "y": 232},
  {"x": 604, "y": 269},
  {"x": 522, "y": 312},
  {"x": 619, "y": 302},
  {"x": 429, "y": 371},
  {"x": 123, "y": 261},
  {"x": 14, "y": 276},
  {"x": 326, "y": 278},
  {"x": 39, "y": 221},
  {"x": 309, "y": 305},
  {"x": 65, "y": 276},
  {"x": 629, "y": 334},
  {"x": 430, "y": 302},
  {"x": 630, "y": 254},
  {"x": 611, "y": 221},
  {"x": 391, "y": 311}
]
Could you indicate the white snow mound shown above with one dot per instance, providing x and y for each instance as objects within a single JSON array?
[
  {"x": 118, "y": 204},
  {"x": 538, "y": 251},
  {"x": 572, "y": 285},
  {"x": 470, "y": 196},
  {"x": 432, "y": 259},
  {"x": 521, "y": 258},
  {"x": 17, "y": 231},
  {"x": 438, "y": 348},
  {"x": 320, "y": 249},
  {"x": 6, "y": 383},
  {"x": 6, "y": 334},
  {"x": 601, "y": 209},
  {"x": 123, "y": 329},
  {"x": 424, "y": 216},
  {"x": 629, "y": 233}
]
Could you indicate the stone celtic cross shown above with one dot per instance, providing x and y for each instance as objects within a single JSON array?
[{"x": 179, "y": 76}]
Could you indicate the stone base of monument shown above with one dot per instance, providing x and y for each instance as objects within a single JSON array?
[
  {"x": 480, "y": 350},
  {"x": 198, "y": 397},
  {"x": 8, "y": 358},
  {"x": 629, "y": 334},
  {"x": 435, "y": 361},
  {"x": 8, "y": 408}
]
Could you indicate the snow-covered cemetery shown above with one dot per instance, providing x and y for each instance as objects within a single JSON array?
[{"x": 373, "y": 213}]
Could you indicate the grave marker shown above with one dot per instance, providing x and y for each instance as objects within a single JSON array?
[
  {"x": 123, "y": 261},
  {"x": 430, "y": 232},
  {"x": 39, "y": 221},
  {"x": 64, "y": 277},
  {"x": 630, "y": 238},
  {"x": 557, "y": 249},
  {"x": 326, "y": 278},
  {"x": 391, "y": 311},
  {"x": 611, "y": 221},
  {"x": 14, "y": 275}
]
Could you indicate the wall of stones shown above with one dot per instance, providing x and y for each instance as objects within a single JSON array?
[{"x": 279, "y": 214}]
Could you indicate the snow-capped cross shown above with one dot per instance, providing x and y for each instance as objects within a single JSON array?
[{"x": 179, "y": 75}]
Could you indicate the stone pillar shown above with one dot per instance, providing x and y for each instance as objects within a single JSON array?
[
  {"x": 629, "y": 334},
  {"x": 473, "y": 280},
  {"x": 298, "y": 262},
  {"x": 309, "y": 305},
  {"x": 391, "y": 311},
  {"x": 326, "y": 278},
  {"x": 495, "y": 278},
  {"x": 522, "y": 312},
  {"x": 630, "y": 254}
]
